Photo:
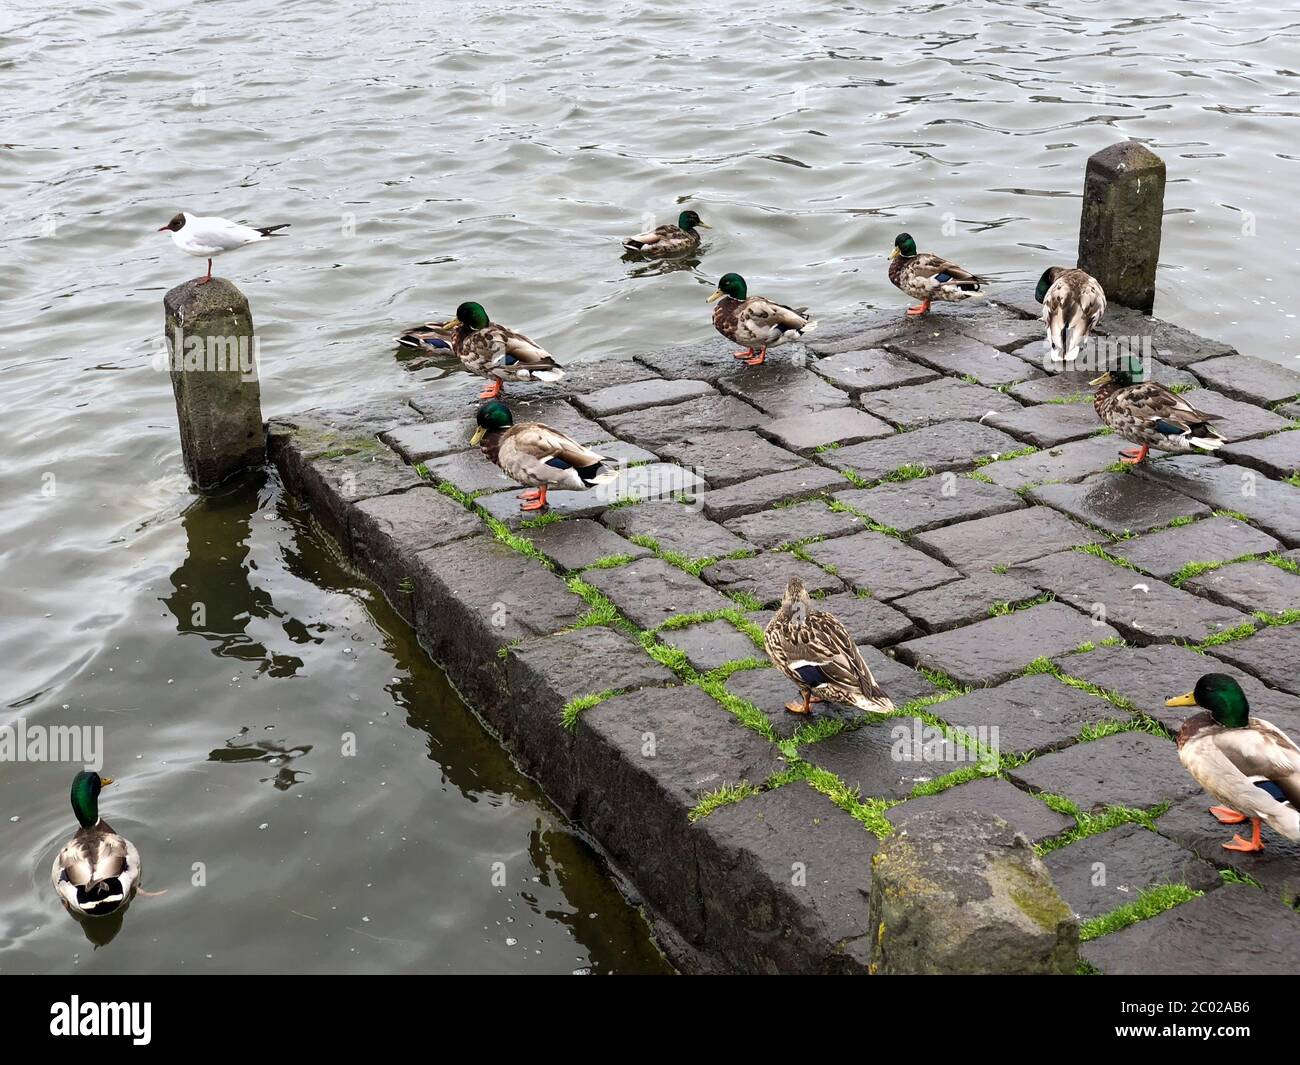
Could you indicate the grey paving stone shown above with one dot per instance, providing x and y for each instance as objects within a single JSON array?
[
  {"x": 658, "y": 480},
  {"x": 801, "y": 521},
  {"x": 1190, "y": 824},
  {"x": 783, "y": 390},
  {"x": 1118, "y": 503},
  {"x": 1034, "y": 819},
  {"x": 887, "y": 758},
  {"x": 1068, "y": 462},
  {"x": 1005, "y": 334},
  {"x": 1018, "y": 300},
  {"x": 589, "y": 375},
  {"x": 387, "y": 531},
  {"x": 1249, "y": 379},
  {"x": 838, "y": 426},
  {"x": 1144, "y": 609},
  {"x": 579, "y": 542},
  {"x": 947, "y": 446},
  {"x": 868, "y": 621},
  {"x": 428, "y": 440},
  {"x": 1172, "y": 343},
  {"x": 879, "y": 564},
  {"x": 994, "y": 650},
  {"x": 470, "y": 471},
  {"x": 765, "y": 576},
  {"x": 730, "y": 456},
  {"x": 1274, "y": 456},
  {"x": 649, "y": 591},
  {"x": 965, "y": 601},
  {"x": 913, "y": 406},
  {"x": 871, "y": 369},
  {"x": 1147, "y": 676},
  {"x": 1250, "y": 586},
  {"x": 1132, "y": 769},
  {"x": 747, "y": 851},
  {"x": 1216, "y": 539},
  {"x": 964, "y": 356},
  {"x": 1005, "y": 539},
  {"x": 1271, "y": 654},
  {"x": 558, "y": 414},
  {"x": 1048, "y": 424},
  {"x": 928, "y": 502},
  {"x": 655, "y": 426},
  {"x": 711, "y": 644},
  {"x": 769, "y": 690},
  {"x": 1272, "y": 505},
  {"x": 1073, "y": 384},
  {"x": 1189, "y": 940},
  {"x": 652, "y": 392},
  {"x": 697, "y": 748},
  {"x": 1028, "y": 715},
  {"x": 1236, "y": 420},
  {"x": 760, "y": 493},
  {"x": 452, "y": 404},
  {"x": 330, "y": 484},
  {"x": 1101, "y": 873},
  {"x": 675, "y": 527},
  {"x": 708, "y": 360}
]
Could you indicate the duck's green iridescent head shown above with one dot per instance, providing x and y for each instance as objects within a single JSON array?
[
  {"x": 690, "y": 220},
  {"x": 470, "y": 314},
  {"x": 493, "y": 416},
  {"x": 732, "y": 285},
  {"x": 1046, "y": 281},
  {"x": 1221, "y": 696},
  {"x": 1127, "y": 369},
  {"x": 85, "y": 796},
  {"x": 903, "y": 245}
]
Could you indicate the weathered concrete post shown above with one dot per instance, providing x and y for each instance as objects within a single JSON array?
[
  {"x": 1119, "y": 228},
  {"x": 966, "y": 894},
  {"x": 214, "y": 379}
]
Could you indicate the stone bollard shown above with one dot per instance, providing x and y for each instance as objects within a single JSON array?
[
  {"x": 213, "y": 364},
  {"x": 1119, "y": 228},
  {"x": 965, "y": 893}
]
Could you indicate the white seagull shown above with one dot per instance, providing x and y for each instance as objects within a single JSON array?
[{"x": 206, "y": 238}]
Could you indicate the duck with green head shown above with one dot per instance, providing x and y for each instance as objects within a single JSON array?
[
  {"x": 1073, "y": 304},
  {"x": 537, "y": 455},
  {"x": 1250, "y": 766},
  {"x": 486, "y": 349},
  {"x": 1149, "y": 414},
  {"x": 754, "y": 321},
  {"x": 668, "y": 240},
  {"x": 928, "y": 277},
  {"x": 97, "y": 872}
]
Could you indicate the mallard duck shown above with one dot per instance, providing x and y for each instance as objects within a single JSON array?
[
  {"x": 497, "y": 353},
  {"x": 666, "y": 240},
  {"x": 1073, "y": 303},
  {"x": 815, "y": 650},
  {"x": 755, "y": 321},
  {"x": 430, "y": 337},
  {"x": 928, "y": 277},
  {"x": 1149, "y": 414},
  {"x": 97, "y": 872},
  {"x": 537, "y": 455},
  {"x": 1249, "y": 765}
]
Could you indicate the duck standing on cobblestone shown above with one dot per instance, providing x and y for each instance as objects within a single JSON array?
[
  {"x": 668, "y": 240},
  {"x": 1249, "y": 765},
  {"x": 497, "y": 353},
  {"x": 815, "y": 650},
  {"x": 1149, "y": 414},
  {"x": 1073, "y": 303},
  {"x": 535, "y": 454},
  {"x": 929, "y": 277},
  {"x": 755, "y": 321}
]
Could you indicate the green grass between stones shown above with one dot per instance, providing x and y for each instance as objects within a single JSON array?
[
  {"x": 723, "y": 796},
  {"x": 1150, "y": 903}
]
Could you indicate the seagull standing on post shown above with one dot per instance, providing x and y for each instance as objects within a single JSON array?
[{"x": 206, "y": 238}]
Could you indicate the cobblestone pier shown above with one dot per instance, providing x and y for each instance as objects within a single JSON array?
[{"x": 1027, "y": 603}]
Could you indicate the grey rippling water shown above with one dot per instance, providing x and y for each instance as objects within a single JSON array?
[{"x": 427, "y": 153}]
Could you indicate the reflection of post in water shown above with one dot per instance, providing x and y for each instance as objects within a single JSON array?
[{"x": 212, "y": 594}]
